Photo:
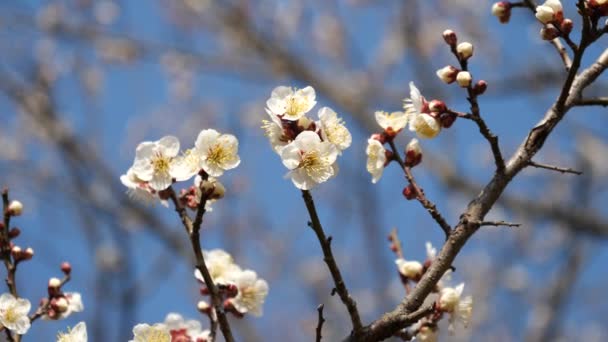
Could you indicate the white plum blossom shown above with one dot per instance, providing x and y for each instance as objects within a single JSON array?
[
  {"x": 150, "y": 333},
  {"x": 549, "y": 11},
  {"x": 310, "y": 160},
  {"x": 137, "y": 189},
  {"x": 396, "y": 121},
  {"x": 273, "y": 129},
  {"x": 13, "y": 313},
  {"x": 376, "y": 158},
  {"x": 460, "y": 309},
  {"x": 409, "y": 269},
  {"x": 333, "y": 129},
  {"x": 252, "y": 292},
  {"x": 73, "y": 303},
  {"x": 290, "y": 103},
  {"x": 421, "y": 122},
  {"x": 155, "y": 162},
  {"x": 191, "y": 329},
  {"x": 77, "y": 334},
  {"x": 221, "y": 267},
  {"x": 217, "y": 152}
]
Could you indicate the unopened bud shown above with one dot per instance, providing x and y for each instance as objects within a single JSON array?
[
  {"x": 413, "y": 153},
  {"x": 218, "y": 191},
  {"x": 545, "y": 14},
  {"x": 204, "y": 291},
  {"x": 549, "y": 32},
  {"x": 54, "y": 283},
  {"x": 447, "y": 74},
  {"x": 13, "y": 233},
  {"x": 380, "y": 137},
  {"x": 464, "y": 79},
  {"x": 66, "y": 268},
  {"x": 60, "y": 304},
  {"x": 409, "y": 269},
  {"x": 437, "y": 106},
  {"x": 447, "y": 119},
  {"x": 203, "y": 307},
  {"x": 16, "y": 252},
  {"x": 566, "y": 26},
  {"x": 480, "y": 87},
  {"x": 464, "y": 50},
  {"x": 28, "y": 253},
  {"x": 409, "y": 192},
  {"x": 15, "y": 208},
  {"x": 502, "y": 10},
  {"x": 450, "y": 37},
  {"x": 232, "y": 290}
]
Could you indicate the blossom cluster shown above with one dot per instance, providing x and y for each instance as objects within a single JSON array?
[
  {"x": 158, "y": 164},
  {"x": 448, "y": 300},
  {"x": 309, "y": 149},
  {"x": 551, "y": 15},
  {"x": 174, "y": 328},
  {"x": 244, "y": 291}
]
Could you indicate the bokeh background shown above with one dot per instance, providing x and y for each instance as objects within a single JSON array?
[{"x": 82, "y": 82}]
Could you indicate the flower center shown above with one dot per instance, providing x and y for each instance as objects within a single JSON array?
[
  {"x": 11, "y": 315},
  {"x": 156, "y": 335},
  {"x": 248, "y": 297},
  {"x": 295, "y": 106},
  {"x": 336, "y": 132},
  {"x": 312, "y": 163},
  {"x": 218, "y": 155},
  {"x": 160, "y": 163}
]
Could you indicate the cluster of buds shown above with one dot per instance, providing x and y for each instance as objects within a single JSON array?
[
  {"x": 448, "y": 300},
  {"x": 450, "y": 74},
  {"x": 205, "y": 188},
  {"x": 60, "y": 304},
  {"x": 502, "y": 10},
  {"x": 551, "y": 15},
  {"x": 597, "y": 8},
  {"x": 18, "y": 254}
]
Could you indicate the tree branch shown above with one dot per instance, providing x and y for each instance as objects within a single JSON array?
[
  {"x": 594, "y": 101},
  {"x": 554, "y": 168},
  {"x": 320, "y": 321}
]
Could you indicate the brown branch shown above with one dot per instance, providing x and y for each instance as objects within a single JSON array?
[
  {"x": 496, "y": 223},
  {"x": 194, "y": 235},
  {"x": 554, "y": 168},
  {"x": 420, "y": 196},
  {"x": 328, "y": 257},
  {"x": 595, "y": 101},
  {"x": 320, "y": 321},
  {"x": 563, "y": 54}
]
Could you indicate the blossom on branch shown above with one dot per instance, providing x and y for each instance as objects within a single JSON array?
[
  {"x": 419, "y": 116},
  {"x": 155, "y": 162},
  {"x": 549, "y": 12},
  {"x": 333, "y": 129},
  {"x": 290, "y": 103},
  {"x": 217, "y": 152},
  {"x": 376, "y": 159},
  {"x": 392, "y": 123},
  {"x": 13, "y": 313},
  {"x": 77, "y": 334},
  {"x": 252, "y": 292},
  {"x": 151, "y": 333},
  {"x": 221, "y": 266},
  {"x": 460, "y": 309}
]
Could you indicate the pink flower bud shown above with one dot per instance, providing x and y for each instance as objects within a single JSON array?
[
  {"x": 549, "y": 32},
  {"x": 13, "y": 233},
  {"x": 465, "y": 50},
  {"x": 566, "y": 26},
  {"x": 464, "y": 79},
  {"x": 450, "y": 37},
  {"x": 437, "y": 106},
  {"x": 28, "y": 253},
  {"x": 60, "y": 304},
  {"x": 16, "y": 252},
  {"x": 203, "y": 306},
  {"x": 447, "y": 74},
  {"x": 413, "y": 153},
  {"x": 66, "y": 268},
  {"x": 480, "y": 87},
  {"x": 409, "y": 192},
  {"x": 380, "y": 137}
]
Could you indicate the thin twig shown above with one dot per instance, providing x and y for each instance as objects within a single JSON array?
[
  {"x": 420, "y": 196},
  {"x": 497, "y": 223},
  {"x": 563, "y": 53},
  {"x": 554, "y": 168},
  {"x": 194, "y": 235},
  {"x": 320, "y": 321},
  {"x": 396, "y": 243},
  {"x": 328, "y": 257},
  {"x": 595, "y": 101}
]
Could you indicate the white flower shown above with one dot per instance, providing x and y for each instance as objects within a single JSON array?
[
  {"x": 15, "y": 208},
  {"x": 395, "y": 120},
  {"x": 187, "y": 165},
  {"x": 420, "y": 122},
  {"x": 426, "y": 334},
  {"x": 137, "y": 188},
  {"x": 413, "y": 153},
  {"x": 273, "y": 129},
  {"x": 464, "y": 79},
  {"x": 431, "y": 252},
  {"x": 221, "y": 267},
  {"x": 376, "y": 158},
  {"x": 460, "y": 309},
  {"x": 13, "y": 313},
  {"x": 500, "y": 9},
  {"x": 76, "y": 334},
  {"x": 549, "y": 11},
  {"x": 291, "y": 103},
  {"x": 192, "y": 329},
  {"x": 310, "y": 160},
  {"x": 252, "y": 293},
  {"x": 73, "y": 303},
  {"x": 464, "y": 50},
  {"x": 333, "y": 129},
  {"x": 447, "y": 74},
  {"x": 217, "y": 152},
  {"x": 409, "y": 269},
  {"x": 154, "y": 162},
  {"x": 151, "y": 333}
]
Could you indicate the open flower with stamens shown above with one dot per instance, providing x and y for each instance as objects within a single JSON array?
[
  {"x": 252, "y": 292},
  {"x": 460, "y": 309},
  {"x": 290, "y": 103},
  {"x": 217, "y": 152},
  {"x": 310, "y": 160},
  {"x": 421, "y": 121},
  {"x": 77, "y": 334},
  {"x": 221, "y": 266},
  {"x": 13, "y": 313},
  {"x": 155, "y": 162},
  {"x": 333, "y": 129},
  {"x": 392, "y": 123},
  {"x": 376, "y": 158},
  {"x": 151, "y": 333}
]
